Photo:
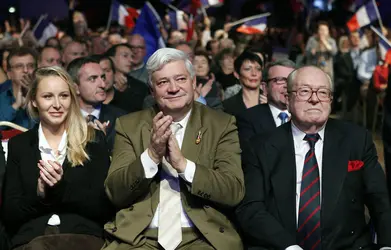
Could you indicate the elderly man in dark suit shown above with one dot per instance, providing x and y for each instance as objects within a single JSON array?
[
  {"x": 265, "y": 117},
  {"x": 307, "y": 182},
  {"x": 89, "y": 77},
  {"x": 176, "y": 169}
]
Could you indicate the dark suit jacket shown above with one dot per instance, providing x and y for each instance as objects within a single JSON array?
[
  {"x": 234, "y": 105},
  {"x": 2, "y": 164},
  {"x": 255, "y": 120},
  {"x": 131, "y": 100},
  {"x": 387, "y": 132},
  {"x": 267, "y": 214},
  {"x": 79, "y": 199},
  {"x": 110, "y": 113},
  {"x": 346, "y": 79},
  {"x": 216, "y": 188}
]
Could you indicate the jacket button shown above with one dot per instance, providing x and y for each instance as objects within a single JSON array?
[
  {"x": 360, "y": 248},
  {"x": 221, "y": 229},
  {"x": 206, "y": 206},
  {"x": 353, "y": 200},
  {"x": 352, "y": 232},
  {"x": 131, "y": 208},
  {"x": 114, "y": 229}
]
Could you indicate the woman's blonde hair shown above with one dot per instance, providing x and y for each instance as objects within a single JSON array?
[{"x": 78, "y": 132}]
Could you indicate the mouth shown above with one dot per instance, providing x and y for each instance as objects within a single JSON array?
[
  {"x": 173, "y": 97},
  {"x": 56, "y": 114}
]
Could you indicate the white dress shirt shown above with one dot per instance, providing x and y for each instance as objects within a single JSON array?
[
  {"x": 276, "y": 112},
  {"x": 95, "y": 112},
  {"x": 151, "y": 169},
  {"x": 48, "y": 154}
]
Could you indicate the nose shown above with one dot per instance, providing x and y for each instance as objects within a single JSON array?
[
  {"x": 102, "y": 83},
  {"x": 172, "y": 87},
  {"x": 254, "y": 72},
  {"x": 56, "y": 103},
  {"x": 314, "y": 97}
]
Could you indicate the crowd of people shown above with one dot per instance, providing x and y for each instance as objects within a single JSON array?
[{"x": 211, "y": 143}]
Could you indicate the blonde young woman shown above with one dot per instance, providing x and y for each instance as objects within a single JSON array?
[{"x": 53, "y": 192}]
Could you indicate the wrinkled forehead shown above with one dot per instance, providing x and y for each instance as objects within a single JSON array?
[{"x": 313, "y": 78}]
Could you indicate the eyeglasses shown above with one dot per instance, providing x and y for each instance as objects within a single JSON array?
[
  {"x": 278, "y": 80},
  {"x": 305, "y": 93},
  {"x": 21, "y": 66}
]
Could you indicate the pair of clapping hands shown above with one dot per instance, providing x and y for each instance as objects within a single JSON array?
[
  {"x": 50, "y": 174},
  {"x": 164, "y": 144}
]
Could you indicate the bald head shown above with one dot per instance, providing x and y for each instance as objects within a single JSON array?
[{"x": 72, "y": 51}]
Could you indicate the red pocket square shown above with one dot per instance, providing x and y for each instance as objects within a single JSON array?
[{"x": 355, "y": 165}]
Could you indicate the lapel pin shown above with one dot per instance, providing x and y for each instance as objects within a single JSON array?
[{"x": 198, "y": 139}]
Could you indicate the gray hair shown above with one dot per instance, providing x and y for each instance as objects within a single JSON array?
[
  {"x": 283, "y": 62},
  {"x": 293, "y": 74},
  {"x": 167, "y": 55}
]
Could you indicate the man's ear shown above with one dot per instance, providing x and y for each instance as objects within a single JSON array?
[{"x": 77, "y": 89}]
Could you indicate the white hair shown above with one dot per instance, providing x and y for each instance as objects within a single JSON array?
[
  {"x": 167, "y": 55},
  {"x": 293, "y": 74}
]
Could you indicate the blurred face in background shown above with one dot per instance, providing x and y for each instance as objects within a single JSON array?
[
  {"x": 20, "y": 66},
  {"x": 137, "y": 44},
  {"x": 323, "y": 31},
  {"x": 72, "y": 51},
  {"x": 123, "y": 59},
  {"x": 49, "y": 57},
  {"x": 201, "y": 65},
  {"x": 355, "y": 39},
  {"x": 109, "y": 73},
  {"x": 227, "y": 63}
]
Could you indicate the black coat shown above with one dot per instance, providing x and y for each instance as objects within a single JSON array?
[{"x": 79, "y": 198}]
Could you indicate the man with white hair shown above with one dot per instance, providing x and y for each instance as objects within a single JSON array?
[
  {"x": 308, "y": 181},
  {"x": 176, "y": 168}
]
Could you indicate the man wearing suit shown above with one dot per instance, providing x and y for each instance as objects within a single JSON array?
[
  {"x": 308, "y": 181},
  {"x": 265, "y": 117},
  {"x": 89, "y": 77},
  {"x": 346, "y": 72},
  {"x": 180, "y": 153}
]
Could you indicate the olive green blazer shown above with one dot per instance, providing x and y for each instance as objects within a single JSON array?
[{"x": 211, "y": 142}]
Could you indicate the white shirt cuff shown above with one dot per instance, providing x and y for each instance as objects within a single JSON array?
[
  {"x": 294, "y": 247},
  {"x": 385, "y": 248},
  {"x": 188, "y": 175},
  {"x": 150, "y": 167}
]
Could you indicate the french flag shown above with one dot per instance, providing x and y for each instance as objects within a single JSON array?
[
  {"x": 384, "y": 46},
  {"x": 206, "y": 3},
  {"x": 255, "y": 26},
  {"x": 176, "y": 20},
  {"x": 44, "y": 29},
  {"x": 124, "y": 16},
  {"x": 364, "y": 16}
]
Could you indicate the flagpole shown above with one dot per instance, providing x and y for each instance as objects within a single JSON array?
[
  {"x": 39, "y": 22},
  {"x": 381, "y": 35},
  {"x": 172, "y": 7},
  {"x": 110, "y": 16},
  {"x": 378, "y": 15},
  {"x": 249, "y": 18},
  {"x": 204, "y": 12}
]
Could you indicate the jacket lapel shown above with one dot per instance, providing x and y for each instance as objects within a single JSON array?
[
  {"x": 270, "y": 122},
  {"x": 333, "y": 169},
  {"x": 192, "y": 140},
  {"x": 283, "y": 177}
]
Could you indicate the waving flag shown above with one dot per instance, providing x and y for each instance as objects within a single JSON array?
[
  {"x": 364, "y": 16},
  {"x": 176, "y": 20},
  {"x": 254, "y": 26},
  {"x": 124, "y": 16},
  {"x": 44, "y": 29},
  {"x": 148, "y": 27},
  {"x": 384, "y": 46}
]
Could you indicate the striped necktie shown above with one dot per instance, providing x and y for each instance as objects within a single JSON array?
[{"x": 308, "y": 231}]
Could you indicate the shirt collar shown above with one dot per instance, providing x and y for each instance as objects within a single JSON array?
[
  {"x": 44, "y": 145},
  {"x": 95, "y": 112},
  {"x": 276, "y": 111},
  {"x": 184, "y": 121},
  {"x": 299, "y": 135}
]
